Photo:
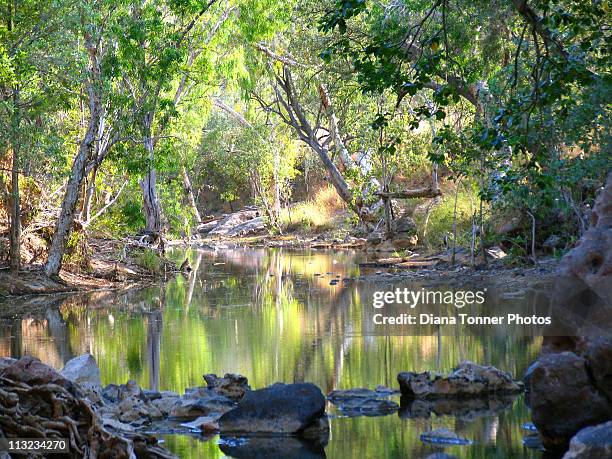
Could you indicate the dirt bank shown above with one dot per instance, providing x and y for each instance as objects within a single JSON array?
[{"x": 110, "y": 266}]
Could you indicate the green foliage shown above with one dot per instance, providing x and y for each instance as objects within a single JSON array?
[
  {"x": 439, "y": 229},
  {"x": 149, "y": 260}
]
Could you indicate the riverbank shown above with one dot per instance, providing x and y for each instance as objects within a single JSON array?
[
  {"x": 118, "y": 264},
  {"x": 110, "y": 265}
]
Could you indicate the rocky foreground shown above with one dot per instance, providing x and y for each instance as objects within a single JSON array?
[{"x": 286, "y": 420}]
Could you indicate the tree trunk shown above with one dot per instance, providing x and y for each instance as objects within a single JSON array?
[
  {"x": 190, "y": 196},
  {"x": 148, "y": 185},
  {"x": 71, "y": 197},
  {"x": 73, "y": 187},
  {"x": 15, "y": 247},
  {"x": 89, "y": 191}
]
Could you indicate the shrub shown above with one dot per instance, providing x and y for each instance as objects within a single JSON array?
[
  {"x": 149, "y": 260},
  {"x": 440, "y": 222}
]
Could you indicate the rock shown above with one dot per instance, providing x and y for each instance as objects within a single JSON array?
[
  {"x": 231, "y": 221},
  {"x": 32, "y": 371},
  {"x": 133, "y": 409},
  {"x": 404, "y": 241},
  {"x": 6, "y": 362},
  {"x": 188, "y": 408},
  {"x": 375, "y": 237},
  {"x": 444, "y": 437},
  {"x": 204, "y": 424},
  {"x": 280, "y": 408},
  {"x": 152, "y": 394},
  {"x": 359, "y": 402},
  {"x": 166, "y": 404},
  {"x": 232, "y": 386},
  {"x": 404, "y": 225},
  {"x": 563, "y": 400},
  {"x": 467, "y": 380},
  {"x": 598, "y": 353},
  {"x": 253, "y": 226},
  {"x": 205, "y": 228},
  {"x": 83, "y": 370},
  {"x": 591, "y": 443}
]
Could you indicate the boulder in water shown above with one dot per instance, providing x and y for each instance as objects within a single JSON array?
[
  {"x": 563, "y": 400},
  {"x": 277, "y": 409},
  {"x": 591, "y": 443},
  {"x": 467, "y": 380}
]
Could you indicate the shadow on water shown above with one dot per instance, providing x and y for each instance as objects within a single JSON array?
[{"x": 272, "y": 315}]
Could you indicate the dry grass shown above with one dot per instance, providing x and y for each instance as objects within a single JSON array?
[{"x": 317, "y": 214}]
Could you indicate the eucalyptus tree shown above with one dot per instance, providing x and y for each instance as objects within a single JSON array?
[
  {"x": 33, "y": 58},
  {"x": 90, "y": 22}
]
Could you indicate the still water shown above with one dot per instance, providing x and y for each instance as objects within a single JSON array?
[{"x": 272, "y": 315}]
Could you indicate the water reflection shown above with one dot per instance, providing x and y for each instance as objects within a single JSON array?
[{"x": 272, "y": 315}]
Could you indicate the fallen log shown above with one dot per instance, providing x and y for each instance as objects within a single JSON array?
[{"x": 409, "y": 194}]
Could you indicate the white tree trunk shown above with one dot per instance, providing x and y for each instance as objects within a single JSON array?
[
  {"x": 148, "y": 184},
  {"x": 190, "y": 196}
]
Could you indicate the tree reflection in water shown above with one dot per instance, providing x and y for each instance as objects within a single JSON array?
[{"x": 272, "y": 315}]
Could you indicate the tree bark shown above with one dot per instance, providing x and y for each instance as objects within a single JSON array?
[
  {"x": 89, "y": 191},
  {"x": 73, "y": 187},
  {"x": 190, "y": 196},
  {"x": 15, "y": 236},
  {"x": 148, "y": 184}
]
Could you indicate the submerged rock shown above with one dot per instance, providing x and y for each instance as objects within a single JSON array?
[
  {"x": 83, "y": 370},
  {"x": 444, "y": 437},
  {"x": 467, "y": 380},
  {"x": 232, "y": 386},
  {"x": 279, "y": 408},
  {"x": 591, "y": 443},
  {"x": 363, "y": 402}
]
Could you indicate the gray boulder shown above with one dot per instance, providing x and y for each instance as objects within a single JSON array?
[
  {"x": 592, "y": 443},
  {"x": 277, "y": 409},
  {"x": 191, "y": 408},
  {"x": 83, "y": 370}
]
